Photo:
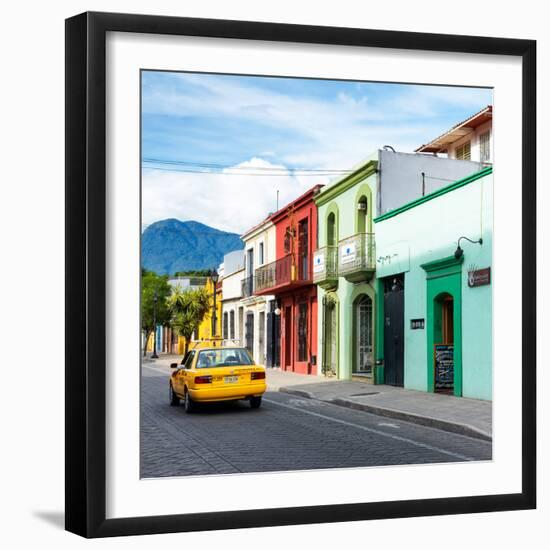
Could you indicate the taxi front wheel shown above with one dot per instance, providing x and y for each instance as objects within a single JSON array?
[{"x": 255, "y": 402}]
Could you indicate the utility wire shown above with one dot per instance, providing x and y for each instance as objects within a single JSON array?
[
  {"x": 208, "y": 168},
  {"x": 214, "y": 165},
  {"x": 256, "y": 174}
]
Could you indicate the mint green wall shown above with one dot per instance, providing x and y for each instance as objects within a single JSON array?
[
  {"x": 415, "y": 376},
  {"x": 429, "y": 232},
  {"x": 344, "y": 205},
  {"x": 477, "y": 318}
]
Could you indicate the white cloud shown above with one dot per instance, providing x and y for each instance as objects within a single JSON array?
[
  {"x": 328, "y": 133},
  {"x": 222, "y": 200},
  {"x": 341, "y": 128}
]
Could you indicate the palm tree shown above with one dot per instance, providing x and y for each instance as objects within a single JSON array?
[{"x": 188, "y": 308}]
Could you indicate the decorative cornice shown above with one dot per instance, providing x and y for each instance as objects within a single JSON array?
[
  {"x": 443, "y": 263},
  {"x": 296, "y": 204},
  {"x": 363, "y": 172},
  {"x": 257, "y": 230}
]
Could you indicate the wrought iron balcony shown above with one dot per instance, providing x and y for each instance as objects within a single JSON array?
[
  {"x": 325, "y": 267},
  {"x": 247, "y": 286},
  {"x": 356, "y": 257},
  {"x": 291, "y": 270}
]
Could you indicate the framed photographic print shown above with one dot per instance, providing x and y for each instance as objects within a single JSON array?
[{"x": 300, "y": 274}]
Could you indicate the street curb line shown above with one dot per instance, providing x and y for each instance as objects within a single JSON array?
[{"x": 445, "y": 425}]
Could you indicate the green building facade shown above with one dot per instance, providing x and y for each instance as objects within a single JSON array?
[
  {"x": 405, "y": 297},
  {"x": 344, "y": 269},
  {"x": 434, "y": 259}
]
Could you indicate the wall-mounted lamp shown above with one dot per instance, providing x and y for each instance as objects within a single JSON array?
[
  {"x": 277, "y": 311},
  {"x": 459, "y": 252}
]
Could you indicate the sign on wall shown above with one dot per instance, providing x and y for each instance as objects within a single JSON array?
[
  {"x": 444, "y": 366},
  {"x": 479, "y": 277},
  {"x": 347, "y": 253},
  {"x": 318, "y": 263},
  {"x": 417, "y": 324}
]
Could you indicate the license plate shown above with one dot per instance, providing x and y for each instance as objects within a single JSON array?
[{"x": 231, "y": 379}]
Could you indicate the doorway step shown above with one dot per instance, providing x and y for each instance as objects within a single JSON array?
[{"x": 364, "y": 378}]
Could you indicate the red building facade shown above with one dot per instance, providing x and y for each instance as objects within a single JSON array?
[{"x": 290, "y": 279}]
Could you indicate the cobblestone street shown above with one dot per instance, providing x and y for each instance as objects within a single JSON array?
[{"x": 286, "y": 433}]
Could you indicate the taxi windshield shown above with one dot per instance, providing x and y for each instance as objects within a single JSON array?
[{"x": 230, "y": 357}]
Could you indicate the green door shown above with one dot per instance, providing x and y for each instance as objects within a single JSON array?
[{"x": 444, "y": 317}]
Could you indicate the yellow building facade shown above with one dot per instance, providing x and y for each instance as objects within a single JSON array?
[
  {"x": 205, "y": 328},
  {"x": 204, "y": 331}
]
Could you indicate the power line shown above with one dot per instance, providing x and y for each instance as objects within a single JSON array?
[
  {"x": 208, "y": 168},
  {"x": 215, "y": 165},
  {"x": 256, "y": 174}
]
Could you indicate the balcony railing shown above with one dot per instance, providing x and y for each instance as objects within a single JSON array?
[
  {"x": 247, "y": 286},
  {"x": 356, "y": 257},
  {"x": 284, "y": 271},
  {"x": 325, "y": 266}
]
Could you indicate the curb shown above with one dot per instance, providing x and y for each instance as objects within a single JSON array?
[{"x": 445, "y": 425}]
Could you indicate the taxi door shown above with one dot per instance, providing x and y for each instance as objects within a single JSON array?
[{"x": 181, "y": 373}]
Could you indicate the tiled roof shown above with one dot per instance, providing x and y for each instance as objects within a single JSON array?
[{"x": 459, "y": 130}]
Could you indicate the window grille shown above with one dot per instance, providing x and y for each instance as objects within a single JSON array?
[
  {"x": 364, "y": 347},
  {"x": 232, "y": 325},
  {"x": 225, "y": 325},
  {"x": 484, "y": 147},
  {"x": 302, "y": 332},
  {"x": 463, "y": 152}
]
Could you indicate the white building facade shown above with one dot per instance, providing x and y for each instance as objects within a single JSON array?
[
  {"x": 231, "y": 277},
  {"x": 256, "y": 320}
]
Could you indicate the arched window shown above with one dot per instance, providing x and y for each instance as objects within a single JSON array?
[
  {"x": 330, "y": 327},
  {"x": 363, "y": 335},
  {"x": 362, "y": 210},
  {"x": 225, "y": 327},
  {"x": 232, "y": 324},
  {"x": 331, "y": 230},
  {"x": 444, "y": 318},
  {"x": 249, "y": 332}
]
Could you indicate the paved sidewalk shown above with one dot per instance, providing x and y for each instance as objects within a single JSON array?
[{"x": 461, "y": 415}]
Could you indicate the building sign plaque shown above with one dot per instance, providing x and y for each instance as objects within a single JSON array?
[
  {"x": 318, "y": 263},
  {"x": 479, "y": 277},
  {"x": 347, "y": 253},
  {"x": 417, "y": 324}
]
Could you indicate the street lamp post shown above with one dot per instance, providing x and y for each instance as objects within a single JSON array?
[
  {"x": 155, "y": 299},
  {"x": 214, "y": 277}
]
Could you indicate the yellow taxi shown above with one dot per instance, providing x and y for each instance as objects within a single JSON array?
[{"x": 217, "y": 374}]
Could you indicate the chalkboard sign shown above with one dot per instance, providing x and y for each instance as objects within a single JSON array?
[{"x": 444, "y": 366}]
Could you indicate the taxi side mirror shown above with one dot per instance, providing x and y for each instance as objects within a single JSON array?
[{"x": 173, "y": 365}]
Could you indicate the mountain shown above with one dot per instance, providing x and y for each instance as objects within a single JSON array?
[{"x": 171, "y": 245}]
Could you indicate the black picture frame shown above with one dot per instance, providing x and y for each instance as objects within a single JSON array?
[{"x": 86, "y": 283}]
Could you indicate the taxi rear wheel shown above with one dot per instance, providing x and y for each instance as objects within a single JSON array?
[
  {"x": 174, "y": 399},
  {"x": 255, "y": 402},
  {"x": 188, "y": 403}
]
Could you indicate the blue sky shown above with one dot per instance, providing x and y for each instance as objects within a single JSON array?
[{"x": 263, "y": 123}]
